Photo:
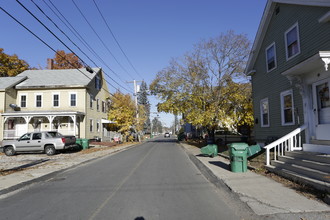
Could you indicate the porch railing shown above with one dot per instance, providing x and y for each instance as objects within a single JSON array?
[
  {"x": 14, "y": 134},
  {"x": 10, "y": 134},
  {"x": 289, "y": 142}
]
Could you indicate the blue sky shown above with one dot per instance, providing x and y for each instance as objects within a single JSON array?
[{"x": 150, "y": 32}]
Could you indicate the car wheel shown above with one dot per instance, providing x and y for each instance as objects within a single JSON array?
[
  {"x": 50, "y": 150},
  {"x": 9, "y": 151},
  {"x": 212, "y": 155}
]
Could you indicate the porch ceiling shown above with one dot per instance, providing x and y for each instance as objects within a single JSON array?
[
  {"x": 48, "y": 113},
  {"x": 312, "y": 64}
]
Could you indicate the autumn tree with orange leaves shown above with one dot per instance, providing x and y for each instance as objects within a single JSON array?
[{"x": 64, "y": 60}]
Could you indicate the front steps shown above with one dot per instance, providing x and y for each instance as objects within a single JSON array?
[{"x": 308, "y": 168}]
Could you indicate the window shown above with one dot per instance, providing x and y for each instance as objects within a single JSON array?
[
  {"x": 98, "y": 105},
  {"x": 287, "y": 108},
  {"x": 97, "y": 82},
  {"x": 25, "y": 137},
  {"x": 292, "y": 42},
  {"x": 73, "y": 99},
  {"x": 11, "y": 124},
  {"x": 271, "y": 57},
  {"x": 98, "y": 126},
  {"x": 91, "y": 125},
  {"x": 103, "y": 107},
  {"x": 23, "y": 101},
  {"x": 91, "y": 101},
  {"x": 264, "y": 112},
  {"x": 38, "y": 100},
  {"x": 36, "y": 136},
  {"x": 56, "y": 100},
  {"x": 322, "y": 94}
]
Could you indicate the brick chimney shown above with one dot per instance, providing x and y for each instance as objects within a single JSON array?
[{"x": 50, "y": 63}]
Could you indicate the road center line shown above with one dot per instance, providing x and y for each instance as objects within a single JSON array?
[{"x": 98, "y": 210}]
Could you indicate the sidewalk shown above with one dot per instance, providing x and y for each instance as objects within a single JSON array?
[
  {"x": 263, "y": 195},
  {"x": 43, "y": 166}
]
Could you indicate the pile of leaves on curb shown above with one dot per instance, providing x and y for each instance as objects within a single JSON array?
[{"x": 258, "y": 166}]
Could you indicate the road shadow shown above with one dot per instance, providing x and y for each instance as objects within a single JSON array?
[
  {"x": 220, "y": 164},
  {"x": 25, "y": 166}
]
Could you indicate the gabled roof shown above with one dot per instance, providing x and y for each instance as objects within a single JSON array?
[
  {"x": 8, "y": 82},
  {"x": 56, "y": 78},
  {"x": 266, "y": 17}
]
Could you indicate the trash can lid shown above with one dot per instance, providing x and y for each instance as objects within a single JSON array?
[{"x": 239, "y": 146}]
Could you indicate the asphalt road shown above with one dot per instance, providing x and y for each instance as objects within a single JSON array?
[{"x": 155, "y": 180}]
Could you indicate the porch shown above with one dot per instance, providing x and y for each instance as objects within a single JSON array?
[
  {"x": 305, "y": 163},
  {"x": 16, "y": 124}
]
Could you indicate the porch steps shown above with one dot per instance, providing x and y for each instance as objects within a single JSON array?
[
  {"x": 317, "y": 146},
  {"x": 305, "y": 167}
]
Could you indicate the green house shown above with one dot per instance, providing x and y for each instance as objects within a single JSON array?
[{"x": 289, "y": 67}]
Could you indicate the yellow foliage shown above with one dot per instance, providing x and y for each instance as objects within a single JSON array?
[
  {"x": 123, "y": 112},
  {"x": 11, "y": 65}
]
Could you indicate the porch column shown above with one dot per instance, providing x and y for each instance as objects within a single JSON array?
[
  {"x": 27, "y": 120},
  {"x": 50, "y": 119},
  {"x": 74, "y": 119},
  {"x": 75, "y": 124}
]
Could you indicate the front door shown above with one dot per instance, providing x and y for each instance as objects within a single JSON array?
[{"x": 321, "y": 107}]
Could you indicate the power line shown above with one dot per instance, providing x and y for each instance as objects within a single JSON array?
[
  {"x": 59, "y": 38},
  {"x": 106, "y": 23},
  {"x": 98, "y": 36},
  {"x": 26, "y": 28},
  {"x": 71, "y": 28},
  {"x": 69, "y": 40},
  {"x": 78, "y": 36}
]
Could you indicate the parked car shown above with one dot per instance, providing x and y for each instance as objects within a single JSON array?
[
  {"x": 225, "y": 137},
  {"x": 167, "y": 134},
  {"x": 46, "y": 141}
]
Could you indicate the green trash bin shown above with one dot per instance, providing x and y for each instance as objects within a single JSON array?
[
  {"x": 79, "y": 143},
  {"x": 238, "y": 157},
  {"x": 85, "y": 144},
  {"x": 253, "y": 149},
  {"x": 210, "y": 150}
]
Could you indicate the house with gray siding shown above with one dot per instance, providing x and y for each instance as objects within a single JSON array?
[{"x": 289, "y": 67}]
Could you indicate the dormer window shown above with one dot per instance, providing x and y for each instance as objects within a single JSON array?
[
  {"x": 292, "y": 42},
  {"x": 271, "y": 57},
  {"x": 97, "y": 82}
]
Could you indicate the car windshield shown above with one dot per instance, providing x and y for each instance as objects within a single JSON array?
[{"x": 25, "y": 137}]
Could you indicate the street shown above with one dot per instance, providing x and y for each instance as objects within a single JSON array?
[{"x": 155, "y": 180}]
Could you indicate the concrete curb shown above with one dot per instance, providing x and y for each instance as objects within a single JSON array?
[{"x": 207, "y": 172}]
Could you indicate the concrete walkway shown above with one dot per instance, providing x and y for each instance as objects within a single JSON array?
[{"x": 262, "y": 194}]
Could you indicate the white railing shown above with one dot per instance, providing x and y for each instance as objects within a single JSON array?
[
  {"x": 289, "y": 142},
  {"x": 14, "y": 134},
  {"x": 10, "y": 134}
]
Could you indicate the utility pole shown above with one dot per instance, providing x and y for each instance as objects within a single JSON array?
[{"x": 135, "y": 94}]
